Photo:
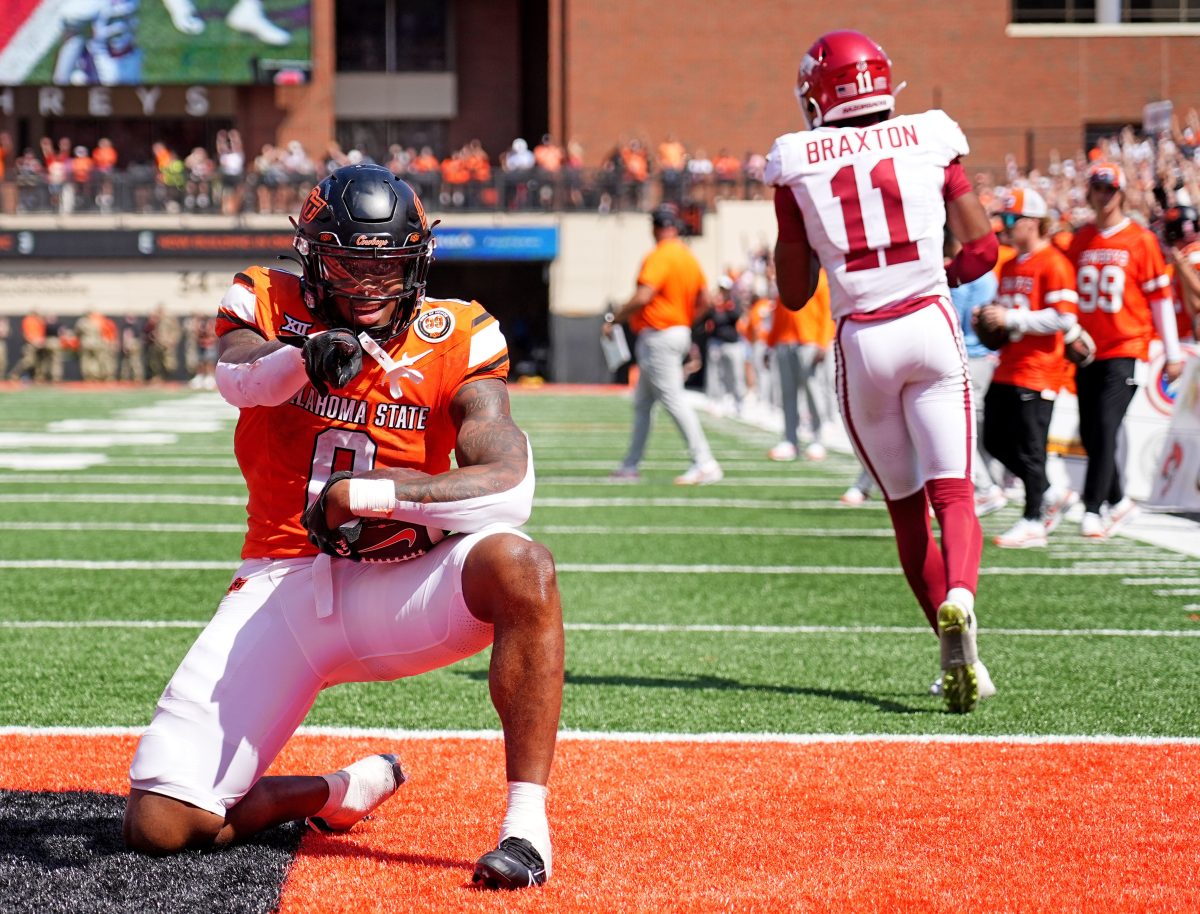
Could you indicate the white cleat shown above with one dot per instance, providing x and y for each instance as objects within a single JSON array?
[
  {"x": 816, "y": 451},
  {"x": 701, "y": 474},
  {"x": 1092, "y": 526},
  {"x": 248, "y": 16},
  {"x": 853, "y": 497},
  {"x": 1024, "y": 534},
  {"x": 183, "y": 16},
  {"x": 990, "y": 502},
  {"x": 368, "y": 782},
  {"x": 784, "y": 452},
  {"x": 1059, "y": 504},
  {"x": 1122, "y": 513}
]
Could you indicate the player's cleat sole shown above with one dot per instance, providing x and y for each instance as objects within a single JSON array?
[
  {"x": 960, "y": 685},
  {"x": 515, "y": 864},
  {"x": 372, "y": 780}
]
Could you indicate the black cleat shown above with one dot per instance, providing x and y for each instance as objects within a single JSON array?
[{"x": 515, "y": 864}]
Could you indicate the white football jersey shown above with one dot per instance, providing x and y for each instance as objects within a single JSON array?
[{"x": 872, "y": 203}]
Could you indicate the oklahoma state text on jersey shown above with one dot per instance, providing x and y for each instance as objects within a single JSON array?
[
  {"x": 1043, "y": 279},
  {"x": 287, "y": 452},
  {"x": 1118, "y": 274},
  {"x": 873, "y": 201}
]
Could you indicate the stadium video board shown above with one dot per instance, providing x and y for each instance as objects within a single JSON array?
[{"x": 154, "y": 42}]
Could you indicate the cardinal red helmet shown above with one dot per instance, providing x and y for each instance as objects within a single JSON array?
[{"x": 844, "y": 75}]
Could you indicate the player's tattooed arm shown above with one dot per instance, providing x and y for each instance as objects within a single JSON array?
[
  {"x": 242, "y": 346},
  {"x": 493, "y": 483},
  {"x": 492, "y": 452}
]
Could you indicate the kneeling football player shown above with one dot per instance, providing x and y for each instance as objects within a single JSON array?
[{"x": 367, "y": 557}]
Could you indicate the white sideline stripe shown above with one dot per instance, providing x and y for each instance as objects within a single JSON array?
[
  {"x": 781, "y": 482},
  {"x": 539, "y": 528},
  {"x": 62, "y": 460},
  {"x": 649, "y": 628},
  {"x": 46, "y": 439},
  {"x": 117, "y": 526},
  {"x": 798, "y": 739},
  {"x": 114, "y": 498},
  {"x": 698, "y": 502},
  {"x": 137, "y": 426},
  {"x": 222, "y": 463},
  {"x": 1099, "y": 570},
  {"x": 1161, "y": 581},
  {"x": 709, "y": 531},
  {"x": 118, "y": 479},
  {"x": 1178, "y": 592},
  {"x": 79, "y": 565}
]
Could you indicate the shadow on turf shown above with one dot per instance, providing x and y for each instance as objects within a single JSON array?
[
  {"x": 725, "y": 684},
  {"x": 62, "y": 852}
]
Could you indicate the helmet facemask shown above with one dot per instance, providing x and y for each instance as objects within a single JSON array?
[
  {"x": 365, "y": 244},
  {"x": 379, "y": 276}
]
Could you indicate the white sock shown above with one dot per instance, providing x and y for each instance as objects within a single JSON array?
[
  {"x": 339, "y": 783},
  {"x": 962, "y": 597},
  {"x": 526, "y": 818}
]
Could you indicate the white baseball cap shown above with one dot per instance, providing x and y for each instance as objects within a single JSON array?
[{"x": 1025, "y": 202}]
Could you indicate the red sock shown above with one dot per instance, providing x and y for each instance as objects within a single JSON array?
[
  {"x": 919, "y": 554},
  {"x": 953, "y": 502}
]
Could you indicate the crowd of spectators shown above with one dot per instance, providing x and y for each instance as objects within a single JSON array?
[
  {"x": 158, "y": 347},
  {"x": 64, "y": 177}
]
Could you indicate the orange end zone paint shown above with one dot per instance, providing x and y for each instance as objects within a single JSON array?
[{"x": 869, "y": 826}]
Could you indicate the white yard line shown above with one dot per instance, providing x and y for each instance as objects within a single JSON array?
[
  {"x": 658, "y": 629},
  {"x": 799, "y": 739},
  {"x": 1098, "y": 570}
]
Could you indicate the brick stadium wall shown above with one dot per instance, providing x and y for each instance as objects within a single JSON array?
[{"x": 720, "y": 72}]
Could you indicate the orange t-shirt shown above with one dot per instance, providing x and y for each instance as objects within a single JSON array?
[
  {"x": 756, "y": 323},
  {"x": 1004, "y": 254},
  {"x": 674, "y": 274},
  {"x": 33, "y": 328},
  {"x": 811, "y": 324},
  {"x": 1119, "y": 274},
  {"x": 1043, "y": 279},
  {"x": 287, "y": 452}
]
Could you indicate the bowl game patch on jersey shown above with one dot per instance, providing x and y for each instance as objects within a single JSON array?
[{"x": 434, "y": 325}]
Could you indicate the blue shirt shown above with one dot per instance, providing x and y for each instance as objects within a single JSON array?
[{"x": 968, "y": 297}]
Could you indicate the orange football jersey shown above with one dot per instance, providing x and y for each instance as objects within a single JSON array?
[
  {"x": 1044, "y": 279},
  {"x": 1118, "y": 274},
  {"x": 394, "y": 414}
]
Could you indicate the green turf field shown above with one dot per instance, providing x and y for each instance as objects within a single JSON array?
[{"x": 757, "y": 605}]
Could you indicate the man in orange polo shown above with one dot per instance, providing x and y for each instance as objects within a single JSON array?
[{"x": 671, "y": 294}]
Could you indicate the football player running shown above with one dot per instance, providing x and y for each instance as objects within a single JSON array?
[
  {"x": 868, "y": 196},
  {"x": 350, "y": 367}
]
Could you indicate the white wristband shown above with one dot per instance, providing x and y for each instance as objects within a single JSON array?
[{"x": 372, "y": 497}]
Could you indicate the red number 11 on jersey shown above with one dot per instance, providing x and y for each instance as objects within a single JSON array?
[{"x": 899, "y": 248}]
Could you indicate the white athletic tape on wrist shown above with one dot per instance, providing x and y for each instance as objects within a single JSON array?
[
  {"x": 511, "y": 507},
  {"x": 372, "y": 497},
  {"x": 268, "y": 381}
]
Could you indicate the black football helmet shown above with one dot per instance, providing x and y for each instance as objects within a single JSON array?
[{"x": 363, "y": 236}]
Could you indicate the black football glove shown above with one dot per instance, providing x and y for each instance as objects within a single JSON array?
[
  {"x": 332, "y": 359},
  {"x": 340, "y": 540}
]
